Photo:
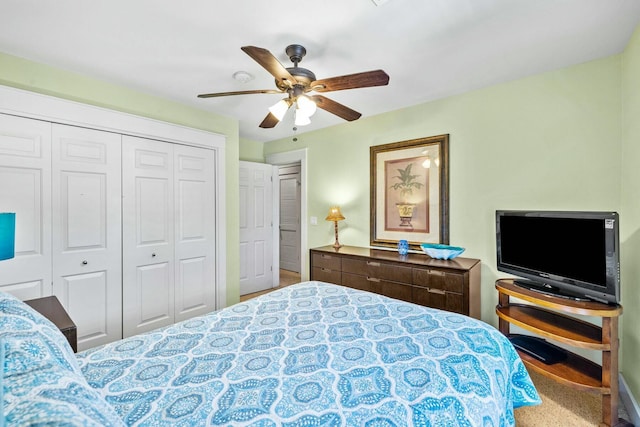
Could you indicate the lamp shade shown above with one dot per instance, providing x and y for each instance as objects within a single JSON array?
[
  {"x": 301, "y": 119},
  {"x": 306, "y": 105},
  {"x": 7, "y": 235},
  {"x": 334, "y": 214},
  {"x": 280, "y": 108}
]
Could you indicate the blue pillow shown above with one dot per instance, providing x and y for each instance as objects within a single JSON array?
[{"x": 41, "y": 381}]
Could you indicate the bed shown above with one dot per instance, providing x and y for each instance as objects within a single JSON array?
[{"x": 311, "y": 354}]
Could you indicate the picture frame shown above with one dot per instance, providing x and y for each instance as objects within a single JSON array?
[{"x": 409, "y": 184}]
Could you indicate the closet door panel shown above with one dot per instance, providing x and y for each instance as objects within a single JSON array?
[
  {"x": 87, "y": 294},
  {"x": 87, "y": 231},
  {"x": 25, "y": 188},
  {"x": 148, "y": 235},
  {"x": 195, "y": 231}
]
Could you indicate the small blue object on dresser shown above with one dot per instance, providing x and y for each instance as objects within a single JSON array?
[
  {"x": 403, "y": 247},
  {"x": 439, "y": 251}
]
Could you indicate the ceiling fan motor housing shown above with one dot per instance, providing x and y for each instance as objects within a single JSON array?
[
  {"x": 295, "y": 52},
  {"x": 303, "y": 77}
]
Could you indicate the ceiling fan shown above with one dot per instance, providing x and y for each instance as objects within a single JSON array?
[{"x": 296, "y": 82}]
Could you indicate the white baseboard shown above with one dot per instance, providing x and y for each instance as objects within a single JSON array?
[{"x": 630, "y": 403}]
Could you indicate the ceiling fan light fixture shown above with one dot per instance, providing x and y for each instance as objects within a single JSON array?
[
  {"x": 306, "y": 105},
  {"x": 301, "y": 118},
  {"x": 279, "y": 109}
]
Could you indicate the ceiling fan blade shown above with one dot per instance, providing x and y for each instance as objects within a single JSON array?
[
  {"x": 241, "y": 92},
  {"x": 351, "y": 81},
  {"x": 270, "y": 63},
  {"x": 269, "y": 121},
  {"x": 336, "y": 108}
]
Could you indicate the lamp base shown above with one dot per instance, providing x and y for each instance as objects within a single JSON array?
[{"x": 337, "y": 244}]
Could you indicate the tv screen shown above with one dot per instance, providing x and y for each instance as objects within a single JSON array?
[{"x": 570, "y": 254}]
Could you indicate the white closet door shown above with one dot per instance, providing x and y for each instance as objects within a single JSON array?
[
  {"x": 25, "y": 188},
  {"x": 86, "y": 231},
  {"x": 195, "y": 231},
  {"x": 148, "y": 236}
]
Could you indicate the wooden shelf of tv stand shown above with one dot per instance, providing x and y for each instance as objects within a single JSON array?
[{"x": 553, "y": 318}]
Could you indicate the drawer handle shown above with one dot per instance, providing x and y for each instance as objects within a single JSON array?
[
  {"x": 373, "y": 263},
  {"x": 436, "y": 291},
  {"x": 326, "y": 256},
  {"x": 85, "y": 262},
  {"x": 436, "y": 273},
  {"x": 373, "y": 279},
  {"x": 326, "y": 269}
]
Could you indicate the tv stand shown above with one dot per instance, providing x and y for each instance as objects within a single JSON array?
[
  {"x": 554, "y": 318},
  {"x": 547, "y": 289}
]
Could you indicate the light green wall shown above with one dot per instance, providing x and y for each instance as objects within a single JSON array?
[
  {"x": 550, "y": 141},
  {"x": 251, "y": 151},
  {"x": 630, "y": 217},
  {"x": 23, "y": 74}
]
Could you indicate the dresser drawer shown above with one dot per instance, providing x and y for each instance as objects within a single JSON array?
[
  {"x": 439, "y": 280},
  {"x": 326, "y": 275},
  {"x": 377, "y": 270},
  {"x": 437, "y": 298},
  {"x": 395, "y": 290},
  {"x": 331, "y": 262},
  {"x": 357, "y": 281}
]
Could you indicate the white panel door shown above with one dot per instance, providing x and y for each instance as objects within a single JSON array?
[
  {"x": 87, "y": 231},
  {"x": 148, "y": 237},
  {"x": 195, "y": 285},
  {"x": 25, "y": 188},
  {"x": 256, "y": 227}
]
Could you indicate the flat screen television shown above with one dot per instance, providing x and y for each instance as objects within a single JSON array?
[{"x": 569, "y": 254}]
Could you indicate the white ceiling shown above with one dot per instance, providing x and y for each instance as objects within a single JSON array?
[{"x": 430, "y": 48}]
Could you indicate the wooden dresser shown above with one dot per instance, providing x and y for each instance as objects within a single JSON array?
[{"x": 452, "y": 285}]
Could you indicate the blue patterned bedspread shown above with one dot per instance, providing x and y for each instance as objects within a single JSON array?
[{"x": 315, "y": 354}]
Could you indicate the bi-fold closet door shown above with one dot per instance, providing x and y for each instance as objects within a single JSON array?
[
  {"x": 84, "y": 198},
  {"x": 87, "y": 232},
  {"x": 25, "y": 188},
  {"x": 63, "y": 183},
  {"x": 168, "y": 233}
]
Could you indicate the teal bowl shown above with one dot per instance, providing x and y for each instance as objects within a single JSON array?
[{"x": 439, "y": 251}]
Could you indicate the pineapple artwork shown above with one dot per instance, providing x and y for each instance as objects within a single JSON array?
[{"x": 407, "y": 204}]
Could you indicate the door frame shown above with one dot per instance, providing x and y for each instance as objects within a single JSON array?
[{"x": 281, "y": 159}]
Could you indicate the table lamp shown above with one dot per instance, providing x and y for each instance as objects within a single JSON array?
[
  {"x": 7, "y": 235},
  {"x": 335, "y": 215}
]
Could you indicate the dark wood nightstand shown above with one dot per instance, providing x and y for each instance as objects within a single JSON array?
[{"x": 51, "y": 308}]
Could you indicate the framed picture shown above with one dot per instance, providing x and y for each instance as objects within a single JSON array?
[{"x": 410, "y": 192}]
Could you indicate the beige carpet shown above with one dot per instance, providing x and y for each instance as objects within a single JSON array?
[
  {"x": 287, "y": 278},
  {"x": 561, "y": 406}
]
